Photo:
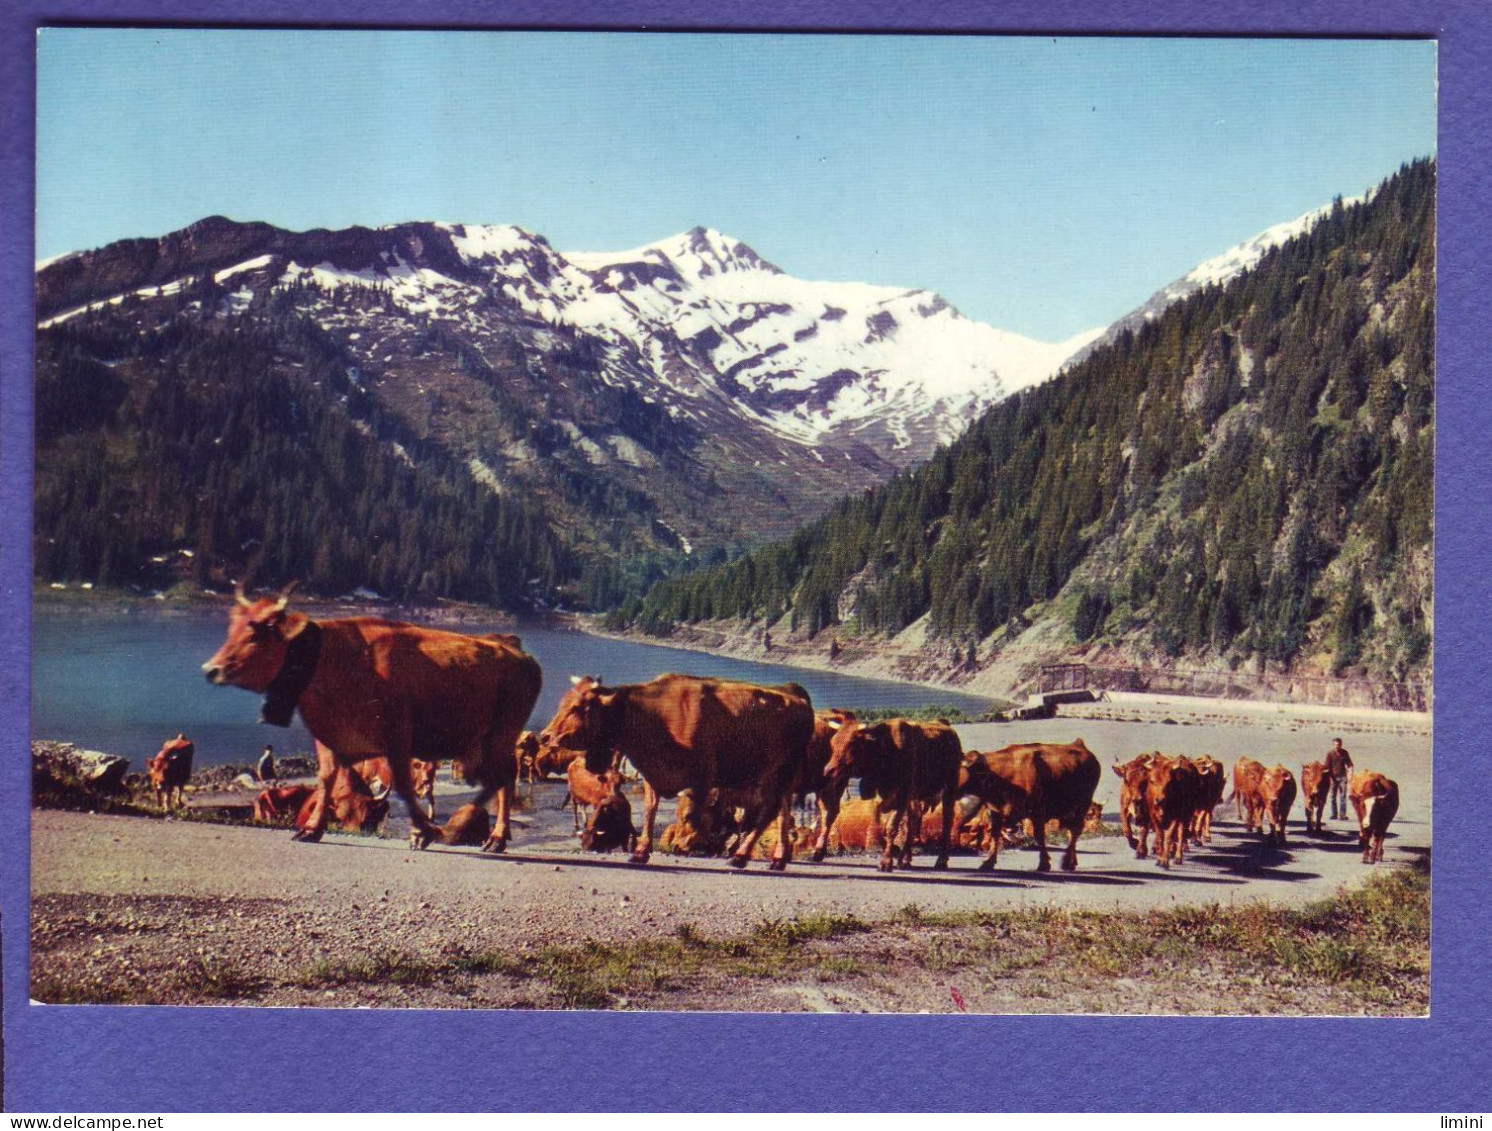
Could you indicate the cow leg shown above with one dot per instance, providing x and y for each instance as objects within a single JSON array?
[
  {"x": 949, "y": 803},
  {"x": 828, "y": 803},
  {"x": 1070, "y": 857},
  {"x": 784, "y": 851},
  {"x": 758, "y": 823},
  {"x": 643, "y": 849},
  {"x": 326, "y": 772},
  {"x": 888, "y": 850},
  {"x": 996, "y": 831},
  {"x": 502, "y": 827},
  {"x": 1038, "y": 826}
]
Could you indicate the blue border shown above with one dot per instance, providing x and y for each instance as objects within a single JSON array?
[{"x": 137, "y": 1059}]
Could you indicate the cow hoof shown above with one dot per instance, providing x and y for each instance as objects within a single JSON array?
[
  {"x": 818, "y": 855},
  {"x": 777, "y": 866},
  {"x": 1069, "y": 865},
  {"x": 495, "y": 845},
  {"x": 307, "y": 836},
  {"x": 940, "y": 865},
  {"x": 738, "y": 862},
  {"x": 1044, "y": 866},
  {"x": 987, "y": 866},
  {"x": 640, "y": 857},
  {"x": 419, "y": 841}
]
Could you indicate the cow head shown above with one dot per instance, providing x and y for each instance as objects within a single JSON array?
[
  {"x": 583, "y": 721},
  {"x": 1277, "y": 787},
  {"x": 858, "y": 751},
  {"x": 1315, "y": 784},
  {"x": 259, "y": 635},
  {"x": 610, "y": 823}
]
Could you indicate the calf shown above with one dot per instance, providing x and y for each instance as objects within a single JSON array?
[
  {"x": 608, "y": 822},
  {"x": 1315, "y": 787},
  {"x": 1171, "y": 795},
  {"x": 1246, "y": 777},
  {"x": 1375, "y": 799},
  {"x": 526, "y": 751},
  {"x": 1276, "y": 796},
  {"x": 170, "y": 770}
]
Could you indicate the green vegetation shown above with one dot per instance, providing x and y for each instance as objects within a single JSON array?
[
  {"x": 1248, "y": 477},
  {"x": 1361, "y": 950},
  {"x": 204, "y": 449}
]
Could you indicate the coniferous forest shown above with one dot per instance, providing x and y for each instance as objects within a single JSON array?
[
  {"x": 249, "y": 447},
  {"x": 1245, "y": 478},
  {"x": 1248, "y": 477}
]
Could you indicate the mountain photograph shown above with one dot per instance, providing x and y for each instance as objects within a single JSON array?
[{"x": 950, "y": 521}]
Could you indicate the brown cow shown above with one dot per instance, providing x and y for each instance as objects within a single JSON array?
[
  {"x": 686, "y": 732},
  {"x": 1214, "y": 780},
  {"x": 170, "y": 770},
  {"x": 367, "y": 687},
  {"x": 1247, "y": 775},
  {"x": 857, "y": 827},
  {"x": 526, "y": 750},
  {"x": 1315, "y": 787},
  {"x": 1134, "y": 810},
  {"x": 1375, "y": 799},
  {"x": 359, "y": 798},
  {"x": 608, "y": 822},
  {"x": 1172, "y": 796},
  {"x": 1036, "y": 782},
  {"x": 1276, "y": 796},
  {"x": 828, "y": 795},
  {"x": 280, "y": 803},
  {"x": 907, "y": 765},
  {"x": 685, "y": 834},
  {"x": 422, "y": 781}
]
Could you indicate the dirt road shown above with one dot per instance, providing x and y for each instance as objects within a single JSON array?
[{"x": 124, "y": 906}]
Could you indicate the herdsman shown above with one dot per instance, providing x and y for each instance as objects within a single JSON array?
[{"x": 1339, "y": 769}]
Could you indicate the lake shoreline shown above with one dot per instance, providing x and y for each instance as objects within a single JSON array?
[{"x": 853, "y": 660}]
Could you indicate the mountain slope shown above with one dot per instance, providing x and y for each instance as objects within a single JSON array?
[
  {"x": 655, "y": 404},
  {"x": 1245, "y": 479}
]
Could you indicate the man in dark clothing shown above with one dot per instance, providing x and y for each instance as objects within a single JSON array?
[{"x": 1339, "y": 769}]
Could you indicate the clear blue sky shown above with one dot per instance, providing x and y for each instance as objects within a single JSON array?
[{"x": 1045, "y": 186}]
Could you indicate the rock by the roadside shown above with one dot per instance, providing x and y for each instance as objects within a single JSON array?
[{"x": 62, "y": 767}]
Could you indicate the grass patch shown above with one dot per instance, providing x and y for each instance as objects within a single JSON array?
[
  {"x": 1366, "y": 949},
  {"x": 380, "y": 967}
]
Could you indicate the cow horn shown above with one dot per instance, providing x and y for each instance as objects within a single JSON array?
[
  {"x": 378, "y": 788},
  {"x": 284, "y": 598},
  {"x": 575, "y": 680},
  {"x": 238, "y": 593}
]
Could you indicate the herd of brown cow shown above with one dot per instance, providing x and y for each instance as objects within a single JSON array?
[{"x": 386, "y": 701}]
